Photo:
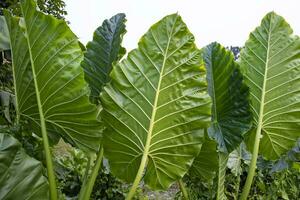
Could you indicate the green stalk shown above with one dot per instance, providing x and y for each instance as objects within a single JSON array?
[
  {"x": 223, "y": 158},
  {"x": 88, "y": 188},
  {"x": 237, "y": 187},
  {"x": 238, "y": 182},
  {"x": 252, "y": 167},
  {"x": 139, "y": 175},
  {"x": 50, "y": 169},
  {"x": 183, "y": 190},
  {"x": 85, "y": 178}
]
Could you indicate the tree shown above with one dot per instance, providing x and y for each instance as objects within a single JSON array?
[{"x": 53, "y": 7}]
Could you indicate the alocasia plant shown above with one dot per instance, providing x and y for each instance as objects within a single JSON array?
[
  {"x": 156, "y": 107},
  {"x": 50, "y": 91},
  {"x": 101, "y": 54},
  {"x": 231, "y": 117},
  {"x": 270, "y": 63}
]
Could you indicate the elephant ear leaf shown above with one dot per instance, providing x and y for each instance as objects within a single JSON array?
[
  {"x": 21, "y": 176},
  {"x": 156, "y": 107},
  {"x": 270, "y": 62},
  {"x": 51, "y": 94},
  {"x": 231, "y": 116},
  {"x": 102, "y": 52}
]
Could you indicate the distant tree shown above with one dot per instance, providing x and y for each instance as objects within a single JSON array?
[
  {"x": 235, "y": 50},
  {"x": 53, "y": 7}
]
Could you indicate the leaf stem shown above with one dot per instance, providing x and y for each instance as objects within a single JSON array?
[
  {"x": 237, "y": 187},
  {"x": 91, "y": 181},
  {"x": 252, "y": 167},
  {"x": 139, "y": 175},
  {"x": 223, "y": 158},
  {"x": 85, "y": 178},
  {"x": 183, "y": 190}
]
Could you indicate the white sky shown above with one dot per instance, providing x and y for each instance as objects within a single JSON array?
[{"x": 226, "y": 21}]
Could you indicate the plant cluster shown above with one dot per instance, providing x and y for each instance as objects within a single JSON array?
[{"x": 166, "y": 110}]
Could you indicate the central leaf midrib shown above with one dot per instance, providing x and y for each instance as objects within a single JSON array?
[
  {"x": 262, "y": 102},
  {"x": 145, "y": 155},
  {"x": 144, "y": 159},
  {"x": 154, "y": 109},
  {"x": 50, "y": 170}
]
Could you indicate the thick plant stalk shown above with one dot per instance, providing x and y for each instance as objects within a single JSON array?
[
  {"x": 139, "y": 175},
  {"x": 223, "y": 158},
  {"x": 252, "y": 167},
  {"x": 183, "y": 190},
  {"x": 85, "y": 178},
  {"x": 91, "y": 181}
]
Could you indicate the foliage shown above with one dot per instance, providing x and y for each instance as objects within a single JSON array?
[
  {"x": 266, "y": 185},
  {"x": 140, "y": 102},
  {"x": 21, "y": 176},
  {"x": 231, "y": 117},
  {"x": 102, "y": 53},
  {"x": 271, "y": 67},
  {"x": 70, "y": 172},
  {"x": 154, "y": 106},
  {"x": 53, "y": 7},
  {"x": 51, "y": 99},
  {"x": 206, "y": 164}
]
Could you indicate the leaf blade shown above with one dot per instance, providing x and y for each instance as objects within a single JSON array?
[
  {"x": 102, "y": 52},
  {"x": 231, "y": 117},
  {"x": 21, "y": 175},
  {"x": 49, "y": 54},
  {"x": 270, "y": 64},
  {"x": 136, "y": 104}
]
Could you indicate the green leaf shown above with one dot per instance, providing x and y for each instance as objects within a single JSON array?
[
  {"x": 156, "y": 106},
  {"x": 102, "y": 52},
  {"x": 271, "y": 64},
  {"x": 6, "y": 100},
  {"x": 49, "y": 81},
  {"x": 206, "y": 163},
  {"x": 236, "y": 157},
  {"x": 21, "y": 176},
  {"x": 231, "y": 116},
  {"x": 4, "y": 35}
]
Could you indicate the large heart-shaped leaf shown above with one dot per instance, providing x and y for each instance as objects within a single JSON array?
[
  {"x": 49, "y": 83},
  {"x": 21, "y": 176},
  {"x": 156, "y": 106},
  {"x": 102, "y": 52},
  {"x": 231, "y": 116},
  {"x": 271, "y": 65}
]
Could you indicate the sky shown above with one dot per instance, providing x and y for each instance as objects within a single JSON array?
[{"x": 228, "y": 22}]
